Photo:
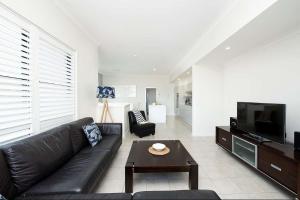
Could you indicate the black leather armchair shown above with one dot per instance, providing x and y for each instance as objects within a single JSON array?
[{"x": 140, "y": 130}]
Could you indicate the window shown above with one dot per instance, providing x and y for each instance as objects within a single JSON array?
[
  {"x": 15, "y": 81},
  {"x": 36, "y": 79},
  {"x": 56, "y": 90}
]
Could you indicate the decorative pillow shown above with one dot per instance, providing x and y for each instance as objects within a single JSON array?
[
  {"x": 2, "y": 197},
  {"x": 139, "y": 117},
  {"x": 92, "y": 133}
]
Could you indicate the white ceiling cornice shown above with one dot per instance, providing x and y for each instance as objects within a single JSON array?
[{"x": 61, "y": 5}]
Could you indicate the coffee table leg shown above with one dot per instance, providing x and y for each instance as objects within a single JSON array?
[
  {"x": 193, "y": 176},
  {"x": 129, "y": 178}
]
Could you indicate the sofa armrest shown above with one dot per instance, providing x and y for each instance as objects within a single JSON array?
[{"x": 110, "y": 128}]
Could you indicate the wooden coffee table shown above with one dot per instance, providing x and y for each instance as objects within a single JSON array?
[{"x": 141, "y": 161}]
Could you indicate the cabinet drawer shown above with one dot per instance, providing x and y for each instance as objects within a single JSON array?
[
  {"x": 278, "y": 167},
  {"x": 224, "y": 139}
]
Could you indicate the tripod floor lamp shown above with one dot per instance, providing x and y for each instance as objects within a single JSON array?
[{"x": 105, "y": 92}]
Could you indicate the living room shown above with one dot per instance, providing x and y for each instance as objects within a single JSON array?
[{"x": 139, "y": 99}]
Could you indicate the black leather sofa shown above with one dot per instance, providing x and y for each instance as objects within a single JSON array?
[
  {"x": 59, "y": 164},
  {"x": 158, "y": 195},
  {"x": 57, "y": 161},
  {"x": 140, "y": 130}
]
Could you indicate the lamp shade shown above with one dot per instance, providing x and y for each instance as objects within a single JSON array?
[{"x": 106, "y": 92}]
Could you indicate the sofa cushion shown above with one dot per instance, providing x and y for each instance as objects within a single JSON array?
[
  {"x": 110, "y": 128},
  {"x": 92, "y": 133},
  {"x": 173, "y": 195},
  {"x": 78, "y": 175},
  {"x": 7, "y": 188},
  {"x": 95, "y": 196},
  {"x": 78, "y": 137},
  {"x": 34, "y": 158},
  {"x": 111, "y": 143}
]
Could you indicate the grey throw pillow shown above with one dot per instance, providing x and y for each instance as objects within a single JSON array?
[
  {"x": 2, "y": 197},
  {"x": 92, "y": 133}
]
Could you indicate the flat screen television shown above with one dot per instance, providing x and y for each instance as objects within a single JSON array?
[{"x": 262, "y": 119}]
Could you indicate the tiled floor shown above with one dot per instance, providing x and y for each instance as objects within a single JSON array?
[{"x": 218, "y": 170}]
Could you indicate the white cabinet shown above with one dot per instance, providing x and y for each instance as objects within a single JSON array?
[{"x": 157, "y": 113}]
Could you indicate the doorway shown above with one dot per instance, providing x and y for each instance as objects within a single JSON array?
[{"x": 150, "y": 98}]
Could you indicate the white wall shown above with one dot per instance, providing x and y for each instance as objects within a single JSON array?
[
  {"x": 207, "y": 99},
  {"x": 232, "y": 20},
  {"x": 267, "y": 74},
  {"x": 165, "y": 91},
  {"x": 46, "y": 15}
]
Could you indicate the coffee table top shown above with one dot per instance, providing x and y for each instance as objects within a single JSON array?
[{"x": 139, "y": 156}]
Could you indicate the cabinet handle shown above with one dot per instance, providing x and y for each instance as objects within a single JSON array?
[
  {"x": 275, "y": 167},
  {"x": 224, "y": 139}
]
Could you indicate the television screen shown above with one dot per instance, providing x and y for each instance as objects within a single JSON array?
[{"x": 264, "y": 120}]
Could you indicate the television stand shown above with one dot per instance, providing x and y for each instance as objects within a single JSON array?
[
  {"x": 278, "y": 162},
  {"x": 256, "y": 137}
]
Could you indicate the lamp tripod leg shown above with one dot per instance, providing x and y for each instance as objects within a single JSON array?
[
  {"x": 102, "y": 115},
  {"x": 105, "y": 112},
  {"x": 109, "y": 114}
]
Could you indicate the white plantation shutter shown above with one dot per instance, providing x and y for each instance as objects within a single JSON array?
[
  {"x": 56, "y": 84},
  {"x": 37, "y": 78},
  {"x": 15, "y": 81}
]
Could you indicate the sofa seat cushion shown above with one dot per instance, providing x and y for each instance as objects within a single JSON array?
[
  {"x": 79, "y": 175},
  {"x": 32, "y": 159},
  {"x": 174, "y": 195},
  {"x": 95, "y": 196},
  {"x": 111, "y": 142}
]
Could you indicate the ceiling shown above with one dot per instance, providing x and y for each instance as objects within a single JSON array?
[
  {"x": 136, "y": 36},
  {"x": 280, "y": 19}
]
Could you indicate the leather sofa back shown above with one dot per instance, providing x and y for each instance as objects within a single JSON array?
[
  {"x": 7, "y": 188},
  {"x": 32, "y": 159},
  {"x": 78, "y": 137}
]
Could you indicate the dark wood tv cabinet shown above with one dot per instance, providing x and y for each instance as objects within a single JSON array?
[{"x": 279, "y": 162}]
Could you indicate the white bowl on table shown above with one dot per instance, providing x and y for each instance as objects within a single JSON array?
[{"x": 158, "y": 146}]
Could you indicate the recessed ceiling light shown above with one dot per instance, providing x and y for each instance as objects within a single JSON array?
[
  {"x": 178, "y": 79},
  {"x": 154, "y": 69},
  {"x": 134, "y": 55},
  {"x": 188, "y": 73},
  {"x": 228, "y": 48}
]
